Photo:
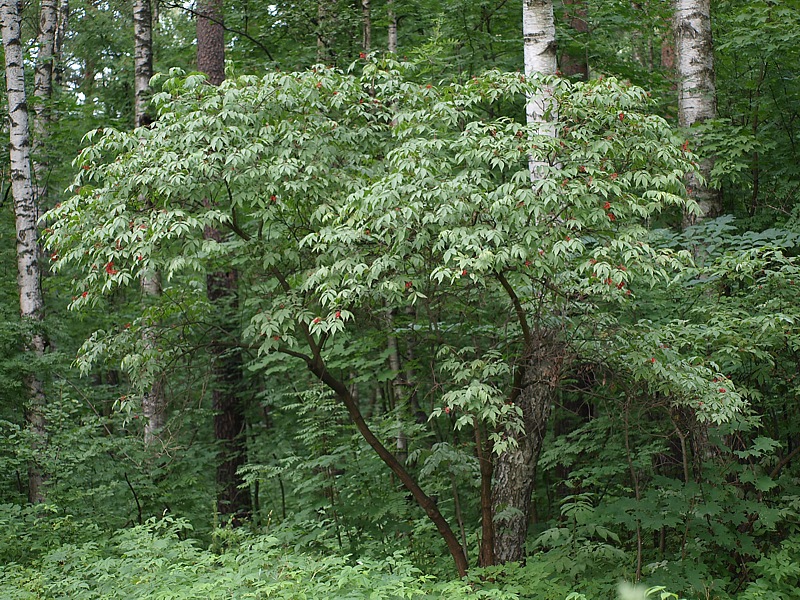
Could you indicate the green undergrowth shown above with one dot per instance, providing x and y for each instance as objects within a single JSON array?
[
  {"x": 163, "y": 559},
  {"x": 159, "y": 560}
]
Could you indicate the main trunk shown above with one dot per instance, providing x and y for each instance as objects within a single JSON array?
[
  {"x": 142, "y": 59},
  {"x": 696, "y": 89},
  {"x": 539, "y": 35},
  {"x": 25, "y": 209},
  {"x": 229, "y": 422},
  {"x": 515, "y": 471},
  {"x": 211, "y": 40},
  {"x": 43, "y": 91},
  {"x": 391, "y": 45}
]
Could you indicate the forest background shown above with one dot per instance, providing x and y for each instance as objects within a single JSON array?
[{"x": 400, "y": 299}]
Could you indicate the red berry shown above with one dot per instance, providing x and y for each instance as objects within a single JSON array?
[
  {"x": 653, "y": 359},
  {"x": 611, "y": 217},
  {"x": 722, "y": 390},
  {"x": 338, "y": 314},
  {"x": 447, "y": 410},
  {"x": 316, "y": 320},
  {"x": 464, "y": 273},
  {"x": 362, "y": 55},
  {"x": 607, "y": 205}
]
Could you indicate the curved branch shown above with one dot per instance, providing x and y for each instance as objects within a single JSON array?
[
  {"x": 523, "y": 321},
  {"x": 319, "y": 369},
  {"x": 244, "y": 34}
]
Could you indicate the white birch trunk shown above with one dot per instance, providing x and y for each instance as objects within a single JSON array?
[
  {"x": 515, "y": 469},
  {"x": 539, "y": 34},
  {"x": 142, "y": 58},
  {"x": 154, "y": 400},
  {"x": 28, "y": 275},
  {"x": 696, "y": 89},
  {"x": 392, "y": 44}
]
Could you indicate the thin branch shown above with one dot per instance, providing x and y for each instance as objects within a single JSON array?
[
  {"x": 218, "y": 21},
  {"x": 523, "y": 321},
  {"x": 135, "y": 497}
]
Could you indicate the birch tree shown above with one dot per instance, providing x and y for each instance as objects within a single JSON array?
[
  {"x": 696, "y": 89},
  {"x": 43, "y": 91},
  {"x": 26, "y": 212},
  {"x": 154, "y": 400},
  {"x": 515, "y": 471}
]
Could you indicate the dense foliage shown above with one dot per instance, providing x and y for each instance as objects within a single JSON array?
[{"x": 393, "y": 257}]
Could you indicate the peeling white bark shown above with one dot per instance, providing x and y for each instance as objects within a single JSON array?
[
  {"x": 142, "y": 58},
  {"x": 539, "y": 34},
  {"x": 392, "y": 44},
  {"x": 696, "y": 88},
  {"x": 28, "y": 273}
]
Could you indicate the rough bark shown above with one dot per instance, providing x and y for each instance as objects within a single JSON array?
[
  {"x": 515, "y": 471},
  {"x": 366, "y": 25},
  {"x": 229, "y": 419},
  {"x": 154, "y": 404},
  {"x": 211, "y": 40},
  {"x": 573, "y": 60},
  {"x": 539, "y": 369},
  {"x": 391, "y": 46},
  {"x": 43, "y": 92},
  {"x": 25, "y": 209},
  {"x": 154, "y": 401},
  {"x": 222, "y": 290},
  {"x": 696, "y": 88},
  {"x": 61, "y": 31},
  {"x": 326, "y": 16},
  {"x": 142, "y": 59}
]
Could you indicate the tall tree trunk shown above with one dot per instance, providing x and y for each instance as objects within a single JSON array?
[
  {"x": 515, "y": 469},
  {"x": 391, "y": 46},
  {"x": 366, "y": 25},
  {"x": 696, "y": 89},
  {"x": 326, "y": 17},
  {"x": 154, "y": 400},
  {"x": 142, "y": 59},
  {"x": 43, "y": 93},
  {"x": 61, "y": 31},
  {"x": 211, "y": 40},
  {"x": 539, "y": 35},
  {"x": 573, "y": 60},
  {"x": 25, "y": 209},
  {"x": 229, "y": 421}
]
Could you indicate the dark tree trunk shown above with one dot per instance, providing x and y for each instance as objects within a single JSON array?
[
  {"x": 574, "y": 61},
  {"x": 515, "y": 470},
  {"x": 229, "y": 421},
  {"x": 211, "y": 40}
]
